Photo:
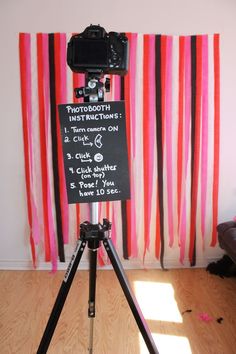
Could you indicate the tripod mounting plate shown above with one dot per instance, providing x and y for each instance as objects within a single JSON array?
[{"x": 94, "y": 91}]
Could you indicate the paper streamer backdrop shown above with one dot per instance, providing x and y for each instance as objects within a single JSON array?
[{"x": 172, "y": 98}]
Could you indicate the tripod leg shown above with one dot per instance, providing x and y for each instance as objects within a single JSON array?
[
  {"x": 92, "y": 295},
  {"x": 133, "y": 304},
  {"x": 61, "y": 297}
]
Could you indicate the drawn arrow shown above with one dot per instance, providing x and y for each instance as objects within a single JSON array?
[{"x": 89, "y": 160}]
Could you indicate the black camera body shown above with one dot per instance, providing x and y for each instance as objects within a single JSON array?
[{"x": 96, "y": 51}]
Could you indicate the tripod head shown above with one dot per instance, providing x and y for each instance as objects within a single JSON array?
[
  {"x": 94, "y": 233},
  {"x": 94, "y": 89}
]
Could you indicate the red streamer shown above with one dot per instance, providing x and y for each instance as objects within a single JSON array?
[
  {"x": 59, "y": 100},
  {"x": 216, "y": 158}
]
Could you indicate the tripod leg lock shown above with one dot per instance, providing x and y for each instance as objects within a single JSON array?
[{"x": 91, "y": 309}]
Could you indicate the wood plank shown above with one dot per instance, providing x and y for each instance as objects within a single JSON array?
[{"x": 27, "y": 297}]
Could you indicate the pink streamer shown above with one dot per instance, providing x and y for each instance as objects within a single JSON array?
[
  {"x": 116, "y": 89},
  {"x": 187, "y": 117},
  {"x": 134, "y": 247},
  {"x": 114, "y": 221},
  {"x": 101, "y": 253},
  {"x": 204, "y": 152},
  {"x": 132, "y": 68},
  {"x": 168, "y": 131},
  {"x": 63, "y": 68},
  {"x": 35, "y": 222}
]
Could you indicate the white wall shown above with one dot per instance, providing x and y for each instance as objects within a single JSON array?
[{"x": 150, "y": 16}]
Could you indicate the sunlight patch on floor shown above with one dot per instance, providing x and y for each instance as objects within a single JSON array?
[
  {"x": 167, "y": 344},
  {"x": 157, "y": 301}
]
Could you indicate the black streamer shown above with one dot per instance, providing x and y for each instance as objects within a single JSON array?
[
  {"x": 159, "y": 144},
  {"x": 55, "y": 147},
  {"x": 193, "y": 118}
]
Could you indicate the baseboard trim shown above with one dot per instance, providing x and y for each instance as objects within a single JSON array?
[{"x": 84, "y": 265}]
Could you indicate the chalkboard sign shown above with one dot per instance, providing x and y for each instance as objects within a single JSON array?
[{"x": 95, "y": 151}]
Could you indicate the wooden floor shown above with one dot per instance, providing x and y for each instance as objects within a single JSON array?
[{"x": 27, "y": 297}]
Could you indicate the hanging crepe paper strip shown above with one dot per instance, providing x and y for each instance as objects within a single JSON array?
[
  {"x": 25, "y": 75},
  {"x": 115, "y": 90},
  {"x": 216, "y": 137},
  {"x": 127, "y": 93},
  {"x": 124, "y": 208},
  {"x": 133, "y": 201},
  {"x": 149, "y": 115},
  {"x": 61, "y": 97},
  {"x": 196, "y": 48},
  {"x": 54, "y": 77},
  {"x": 170, "y": 112},
  {"x": 204, "y": 133},
  {"x": 160, "y": 65},
  {"x": 78, "y": 81},
  {"x": 149, "y": 123},
  {"x": 148, "y": 144},
  {"x": 204, "y": 150},
  {"x": 105, "y": 209},
  {"x": 168, "y": 138},
  {"x": 180, "y": 140},
  {"x": 182, "y": 167},
  {"x": 43, "y": 99}
]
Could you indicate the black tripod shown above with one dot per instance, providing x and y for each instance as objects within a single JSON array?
[{"x": 91, "y": 235}]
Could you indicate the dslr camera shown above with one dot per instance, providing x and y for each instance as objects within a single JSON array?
[{"x": 96, "y": 51}]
